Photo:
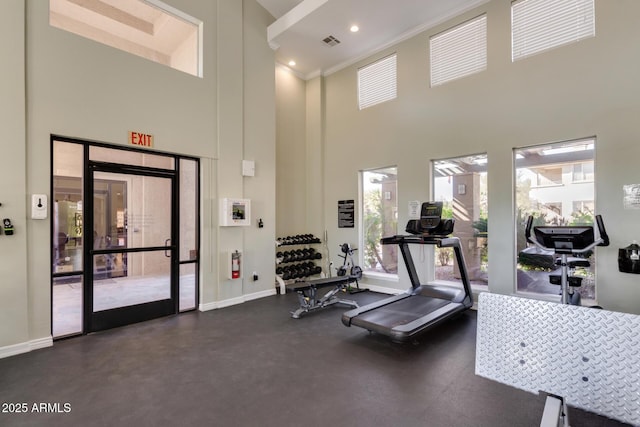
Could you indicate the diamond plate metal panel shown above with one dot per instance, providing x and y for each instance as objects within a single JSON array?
[{"x": 590, "y": 357}]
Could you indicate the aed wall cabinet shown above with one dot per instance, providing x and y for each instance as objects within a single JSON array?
[{"x": 234, "y": 212}]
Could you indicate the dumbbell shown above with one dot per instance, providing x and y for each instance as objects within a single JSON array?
[
  {"x": 299, "y": 272},
  {"x": 311, "y": 253}
]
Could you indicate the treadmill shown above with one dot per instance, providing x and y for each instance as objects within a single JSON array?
[{"x": 402, "y": 317}]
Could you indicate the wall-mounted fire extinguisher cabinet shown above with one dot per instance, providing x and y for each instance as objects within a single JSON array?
[{"x": 234, "y": 264}]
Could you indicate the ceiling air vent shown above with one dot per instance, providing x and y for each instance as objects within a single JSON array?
[{"x": 331, "y": 41}]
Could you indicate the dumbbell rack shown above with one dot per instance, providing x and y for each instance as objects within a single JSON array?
[{"x": 295, "y": 259}]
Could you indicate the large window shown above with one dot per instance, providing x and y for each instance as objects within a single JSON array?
[
  {"x": 150, "y": 29},
  {"x": 379, "y": 207},
  {"x": 461, "y": 184},
  {"x": 459, "y": 51},
  {"x": 569, "y": 200},
  {"x": 377, "y": 82},
  {"x": 540, "y": 25}
]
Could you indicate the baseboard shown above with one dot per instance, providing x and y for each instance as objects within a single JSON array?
[
  {"x": 229, "y": 302},
  {"x": 235, "y": 301},
  {"x": 383, "y": 289},
  {"x": 41, "y": 343},
  {"x": 25, "y": 347},
  {"x": 261, "y": 294}
]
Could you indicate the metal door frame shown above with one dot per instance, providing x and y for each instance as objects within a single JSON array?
[
  {"x": 87, "y": 194},
  {"x": 120, "y": 316}
]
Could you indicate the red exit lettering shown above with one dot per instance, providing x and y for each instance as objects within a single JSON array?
[{"x": 140, "y": 139}]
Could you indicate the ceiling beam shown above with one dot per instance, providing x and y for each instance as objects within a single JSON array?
[{"x": 291, "y": 18}]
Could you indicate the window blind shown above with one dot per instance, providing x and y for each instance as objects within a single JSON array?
[
  {"x": 377, "y": 82},
  {"x": 459, "y": 51},
  {"x": 539, "y": 25}
]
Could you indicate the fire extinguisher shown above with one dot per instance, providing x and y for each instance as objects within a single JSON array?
[{"x": 235, "y": 265}]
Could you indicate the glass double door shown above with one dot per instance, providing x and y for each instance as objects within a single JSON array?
[
  {"x": 131, "y": 265},
  {"x": 124, "y": 235}
]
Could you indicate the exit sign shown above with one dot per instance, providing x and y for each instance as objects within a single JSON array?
[{"x": 140, "y": 139}]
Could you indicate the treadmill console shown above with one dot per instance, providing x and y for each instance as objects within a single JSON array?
[
  {"x": 430, "y": 215},
  {"x": 431, "y": 222}
]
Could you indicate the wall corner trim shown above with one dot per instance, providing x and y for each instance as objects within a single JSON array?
[{"x": 25, "y": 347}]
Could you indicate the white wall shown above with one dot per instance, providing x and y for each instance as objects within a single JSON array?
[
  {"x": 14, "y": 325},
  {"x": 246, "y": 130},
  {"x": 314, "y": 160},
  {"x": 259, "y": 146},
  {"x": 588, "y": 88},
  {"x": 290, "y": 154},
  {"x": 300, "y": 154},
  {"x": 79, "y": 88}
]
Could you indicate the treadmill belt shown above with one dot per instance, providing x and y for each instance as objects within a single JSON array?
[{"x": 399, "y": 313}]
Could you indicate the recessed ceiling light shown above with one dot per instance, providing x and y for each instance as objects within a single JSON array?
[
  {"x": 292, "y": 63},
  {"x": 354, "y": 28}
]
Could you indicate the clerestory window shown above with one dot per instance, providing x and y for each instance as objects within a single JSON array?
[{"x": 150, "y": 29}]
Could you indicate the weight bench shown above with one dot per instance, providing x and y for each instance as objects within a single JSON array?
[{"x": 307, "y": 292}]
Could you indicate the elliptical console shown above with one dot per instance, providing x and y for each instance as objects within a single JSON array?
[{"x": 565, "y": 241}]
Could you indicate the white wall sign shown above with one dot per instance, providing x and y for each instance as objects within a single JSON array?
[
  {"x": 631, "y": 196},
  {"x": 414, "y": 209}
]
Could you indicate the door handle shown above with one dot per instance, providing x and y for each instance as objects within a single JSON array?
[{"x": 166, "y": 244}]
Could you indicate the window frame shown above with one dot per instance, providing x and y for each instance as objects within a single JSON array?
[
  {"x": 481, "y": 247},
  {"x": 362, "y": 232},
  {"x": 562, "y": 150}
]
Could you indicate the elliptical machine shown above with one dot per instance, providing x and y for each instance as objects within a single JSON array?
[{"x": 564, "y": 241}]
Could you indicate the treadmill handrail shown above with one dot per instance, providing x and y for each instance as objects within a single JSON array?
[
  {"x": 423, "y": 239},
  {"x": 403, "y": 242}
]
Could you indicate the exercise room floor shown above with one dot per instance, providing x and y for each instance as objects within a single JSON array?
[{"x": 253, "y": 365}]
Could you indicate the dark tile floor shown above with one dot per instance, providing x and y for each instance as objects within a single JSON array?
[{"x": 253, "y": 365}]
